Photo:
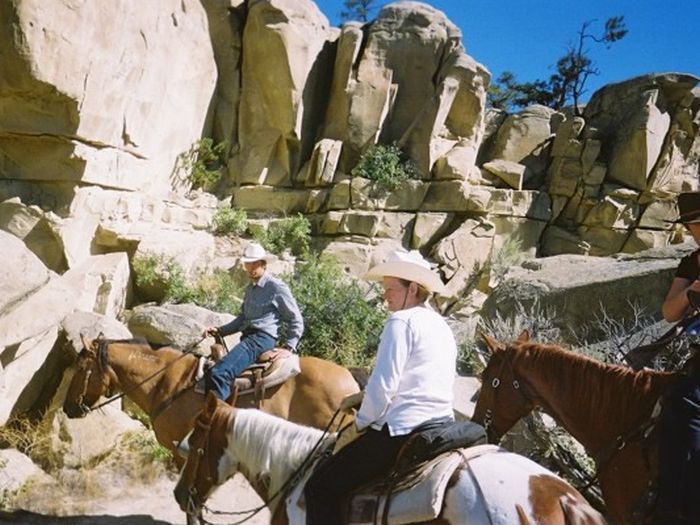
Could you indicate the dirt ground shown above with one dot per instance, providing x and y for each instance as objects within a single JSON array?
[{"x": 130, "y": 504}]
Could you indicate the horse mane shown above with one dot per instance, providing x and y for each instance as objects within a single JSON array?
[
  {"x": 256, "y": 435},
  {"x": 603, "y": 385},
  {"x": 137, "y": 341}
]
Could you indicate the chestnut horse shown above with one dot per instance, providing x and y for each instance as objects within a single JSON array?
[
  {"x": 607, "y": 408},
  {"x": 270, "y": 452},
  {"x": 160, "y": 383}
]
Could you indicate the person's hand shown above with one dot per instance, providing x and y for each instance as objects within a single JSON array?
[
  {"x": 351, "y": 401},
  {"x": 210, "y": 331},
  {"x": 346, "y": 436},
  {"x": 276, "y": 353}
]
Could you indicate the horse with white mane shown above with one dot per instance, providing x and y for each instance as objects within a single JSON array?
[{"x": 268, "y": 451}]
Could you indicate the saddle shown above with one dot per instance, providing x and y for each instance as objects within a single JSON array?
[{"x": 272, "y": 368}]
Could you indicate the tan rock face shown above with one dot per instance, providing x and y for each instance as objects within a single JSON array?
[
  {"x": 412, "y": 84},
  {"x": 103, "y": 93},
  {"x": 634, "y": 118},
  {"x": 285, "y": 74}
]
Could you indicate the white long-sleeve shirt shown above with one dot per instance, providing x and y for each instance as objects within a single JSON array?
[{"x": 414, "y": 375}]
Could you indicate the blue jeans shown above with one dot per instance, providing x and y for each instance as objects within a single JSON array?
[
  {"x": 220, "y": 377},
  {"x": 679, "y": 454}
]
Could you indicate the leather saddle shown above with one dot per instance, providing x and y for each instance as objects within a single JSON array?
[{"x": 272, "y": 368}]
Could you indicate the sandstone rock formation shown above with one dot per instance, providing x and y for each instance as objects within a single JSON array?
[{"x": 99, "y": 99}]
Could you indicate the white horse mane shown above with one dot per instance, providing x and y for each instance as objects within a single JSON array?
[{"x": 268, "y": 446}]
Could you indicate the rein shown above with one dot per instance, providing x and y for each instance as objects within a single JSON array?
[
  {"x": 639, "y": 357},
  {"x": 103, "y": 361},
  {"x": 290, "y": 483}
]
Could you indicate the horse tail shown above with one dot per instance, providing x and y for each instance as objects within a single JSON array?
[{"x": 360, "y": 375}]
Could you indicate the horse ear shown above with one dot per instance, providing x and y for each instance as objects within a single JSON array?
[
  {"x": 524, "y": 336},
  {"x": 87, "y": 343},
  {"x": 491, "y": 343}
]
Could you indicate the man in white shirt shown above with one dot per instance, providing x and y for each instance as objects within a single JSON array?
[{"x": 410, "y": 385}]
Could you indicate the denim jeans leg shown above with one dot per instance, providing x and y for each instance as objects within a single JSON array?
[{"x": 241, "y": 356}]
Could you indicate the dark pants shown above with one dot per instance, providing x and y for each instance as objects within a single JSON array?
[
  {"x": 371, "y": 455},
  {"x": 221, "y": 376},
  {"x": 679, "y": 455}
]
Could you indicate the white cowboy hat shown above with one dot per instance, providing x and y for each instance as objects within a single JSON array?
[
  {"x": 254, "y": 252},
  {"x": 410, "y": 266}
]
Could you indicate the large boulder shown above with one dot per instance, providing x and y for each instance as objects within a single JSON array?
[
  {"x": 18, "y": 471},
  {"x": 106, "y": 93},
  {"x": 575, "y": 290},
  {"x": 36, "y": 299},
  {"x": 179, "y": 325},
  {"x": 413, "y": 69},
  {"x": 640, "y": 122}
]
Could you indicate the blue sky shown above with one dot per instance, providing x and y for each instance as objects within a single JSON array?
[{"x": 528, "y": 36}]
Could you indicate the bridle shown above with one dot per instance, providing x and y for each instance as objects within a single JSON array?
[
  {"x": 102, "y": 359},
  {"x": 192, "y": 507},
  {"x": 103, "y": 363},
  {"x": 496, "y": 383},
  {"x": 291, "y": 482}
]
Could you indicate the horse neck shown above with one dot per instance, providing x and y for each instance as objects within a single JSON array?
[
  {"x": 268, "y": 450},
  {"x": 593, "y": 401},
  {"x": 133, "y": 364}
]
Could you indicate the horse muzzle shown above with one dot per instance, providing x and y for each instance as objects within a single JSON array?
[
  {"x": 75, "y": 410},
  {"x": 187, "y": 499}
]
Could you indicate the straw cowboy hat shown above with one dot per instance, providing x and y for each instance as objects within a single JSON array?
[
  {"x": 688, "y": 208},
  {"x": 254, "y": 252},
  {"x": 410, "y": 266}
]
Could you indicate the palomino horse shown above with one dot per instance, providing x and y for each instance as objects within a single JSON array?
[
  {"x": 269, "y": 452},
  {"x": 607, "y": 408},
  {"x": 159, "y": 382}
]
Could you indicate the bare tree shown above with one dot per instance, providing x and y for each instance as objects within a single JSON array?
[{"x": 573, "y": 70}]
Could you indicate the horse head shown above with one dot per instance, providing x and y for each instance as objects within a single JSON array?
[
  {"x": 502, "y": 399},
  {"x": 204, "y": 448},
  {"x": 93, "y": 378}
]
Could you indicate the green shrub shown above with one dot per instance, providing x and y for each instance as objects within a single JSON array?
[
  {"x": 217, "y": 291},
  {"x": 385, "y": 165},
  {"x": 230, "y": 221},
  {"x": 203, "y": 163},
  {"x": 340, "y": 325},
  {"x": 220, "y": 292},
  {"x": 146, "y": 269},
  {"x": 469, "y": 360},
  {"x": 292, "y": 233},
  {"x": 162, "y": 278}
]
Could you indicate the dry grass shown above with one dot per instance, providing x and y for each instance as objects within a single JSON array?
[
  {"x": 137, "y": 460},
  {"x": 34, "y": 439}
]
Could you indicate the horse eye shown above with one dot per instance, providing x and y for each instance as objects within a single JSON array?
[{"x": 200, "y": 451}]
